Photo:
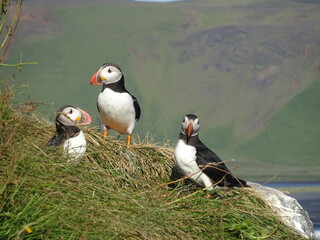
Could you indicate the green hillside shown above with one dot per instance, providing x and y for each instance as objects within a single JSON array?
[
  {"x": 294, "y": 126},
  {"x": 294, "y": 122},
  {"x": 237, "y": 66}
]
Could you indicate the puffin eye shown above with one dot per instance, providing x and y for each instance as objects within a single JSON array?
[
  {"x": 109, "y": 70},
  {"x": 70, "y": 112}
]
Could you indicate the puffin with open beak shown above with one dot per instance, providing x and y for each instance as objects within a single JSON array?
[
  {"x": 68, "y": 133},
  {"x": 198, "y": 162},
  {"x": 119, "y": 110}
]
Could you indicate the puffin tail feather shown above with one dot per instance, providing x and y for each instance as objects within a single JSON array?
[{"x": 233, "y": 181}]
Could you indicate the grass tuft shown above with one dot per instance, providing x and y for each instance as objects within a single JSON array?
[{"x": 114, "y": 192}]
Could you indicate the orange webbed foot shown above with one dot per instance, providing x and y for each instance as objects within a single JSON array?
[
  {"x": 128, "y": 140},
  {"x": 105, "y": 133}
]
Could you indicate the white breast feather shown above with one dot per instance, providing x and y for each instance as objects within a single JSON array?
[
  {"x": 117, "y": 111},
  {"x": 76, "y": 146},
  {"x": 185, "y": 157}
]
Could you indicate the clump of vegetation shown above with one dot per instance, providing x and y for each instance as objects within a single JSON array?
[
  {"x": 8, "y": 30},
  {"x": 8, "y": 27},
  {"x": 114, "y": 192}
]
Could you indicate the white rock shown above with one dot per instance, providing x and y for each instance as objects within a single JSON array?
[{"x": 287, "y": 209}]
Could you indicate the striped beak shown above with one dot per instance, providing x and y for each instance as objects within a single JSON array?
[
  {"x": 85, "y": 118},
  {"x": 95, "y": 80},
  {"x": 189, "y": 130}
]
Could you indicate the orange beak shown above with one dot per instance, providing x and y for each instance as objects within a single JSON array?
[
  {"x": 85, "y": 118},
  {"x": 189, "y": 129},
  {"x": 94, "y": 79}
]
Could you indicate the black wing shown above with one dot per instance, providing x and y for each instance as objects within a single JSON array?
[
  {"x": 213, "y": 167},
  {"x": 63, "y": 133},
  {"x": 98, "y": 107},
  {"x": 55, "y": 141},
  {"x": 136, "y": 107}
]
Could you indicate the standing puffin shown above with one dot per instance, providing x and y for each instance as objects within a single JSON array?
[
  {"x": 119, "y": 110},
  {"x": 68, "y": 133},
  {"x": 198, "y": 162}
]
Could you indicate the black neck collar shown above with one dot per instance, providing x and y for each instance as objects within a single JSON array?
[
  {"x": 68, "y": 131},
  {"x": 116, "y": 87},
  {"x": 192, "y": 140},
  {"x": 63, "y": 132}
]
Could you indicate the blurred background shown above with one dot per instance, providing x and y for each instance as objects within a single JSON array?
[{"x": 249, "y": 70}]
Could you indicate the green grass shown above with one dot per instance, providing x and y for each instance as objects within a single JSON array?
[{"x": 114, "y": 192}]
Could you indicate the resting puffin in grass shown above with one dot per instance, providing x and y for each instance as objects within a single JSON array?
[
  {"x": 68, "y": 133},
  {"x": 198, "y": 162},
  {"x": 119, "y": 110}
]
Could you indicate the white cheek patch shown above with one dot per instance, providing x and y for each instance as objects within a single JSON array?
[
  {"x": 69, "y": 119},
  {"x": 76, "y": 117},
  {"x": 110, "y": 75},
  {"x": 184, "y": 125},
  {"x": 104, "y": 73},
  {"x": 64, "y": 119},
  {"x": 196, "y": 127}
]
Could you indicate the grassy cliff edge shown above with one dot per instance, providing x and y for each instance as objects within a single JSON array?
[{"x": 114, "y": 192}]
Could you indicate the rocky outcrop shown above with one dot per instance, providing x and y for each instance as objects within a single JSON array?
[{"x": 287, "y": 209}]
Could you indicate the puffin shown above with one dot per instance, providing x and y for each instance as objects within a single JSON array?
[
  {"x": 119, "y": 110},
  {"x": 68, "y": 133},
  {"x": 197, "y": 162}
]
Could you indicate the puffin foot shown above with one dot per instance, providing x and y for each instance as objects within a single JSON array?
[
  {"x": 128, "y": 140},
  {"x": 105, "y": 134},
  {"x": 208, "y": 196}
]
